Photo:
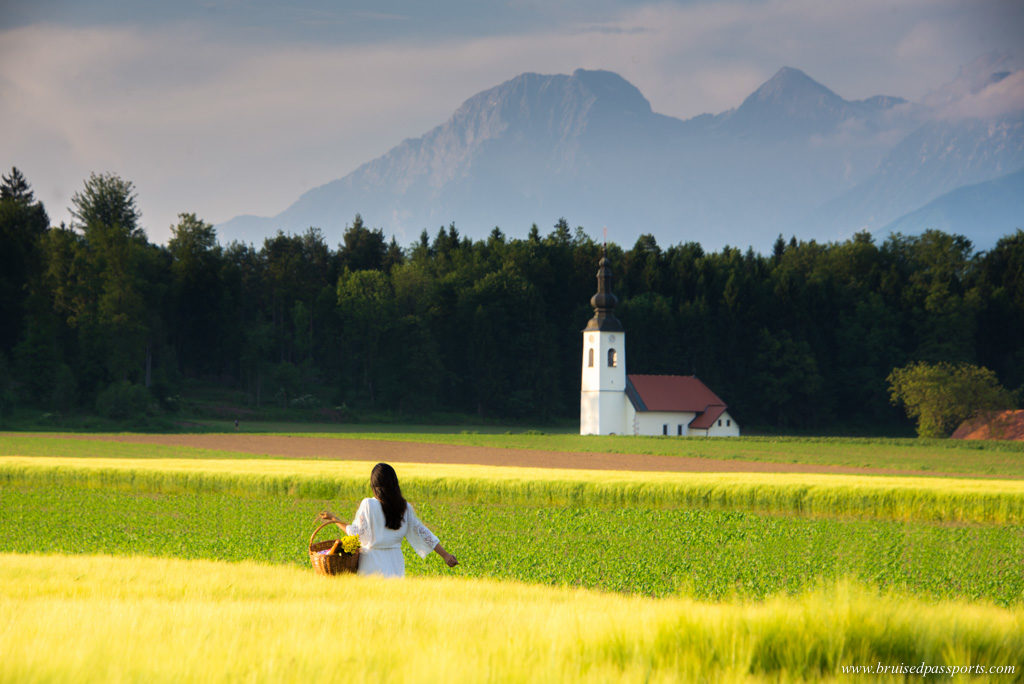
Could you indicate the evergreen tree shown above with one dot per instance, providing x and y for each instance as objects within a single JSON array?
[
  {"x": 23, "y": 222},
  {"x": 363, "y": 249},
  {"x": 196, "y": 297},
  {"x": 15, "y": 187}
]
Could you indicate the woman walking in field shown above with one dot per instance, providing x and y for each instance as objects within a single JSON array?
[{"x": 382, "y": 521}]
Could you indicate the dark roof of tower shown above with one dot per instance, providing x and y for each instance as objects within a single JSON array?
[{"x": 604, "y": 301}]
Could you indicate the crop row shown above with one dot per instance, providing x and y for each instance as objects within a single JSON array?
[
  {"x": 653, "y": 551},
  {"x": 141, "y": 619},
  {"x": 884, "y": 498}
]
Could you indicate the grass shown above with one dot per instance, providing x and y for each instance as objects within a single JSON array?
[
  {"x": 218, "y": 416},
  {"x": 890, "y": 498},
  {"x": 658, "y": 552},
  {"x": 71, "y": 447},
  {"x": 389, "y": 428},
  {"x": 136, "y": 619}
]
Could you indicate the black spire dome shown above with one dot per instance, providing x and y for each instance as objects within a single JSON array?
[{"x": 604, "y": 301}]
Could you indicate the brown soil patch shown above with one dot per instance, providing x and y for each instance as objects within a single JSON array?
[
  {"x": 418, "y": 452},
  {"x": 993, "y": 425}
]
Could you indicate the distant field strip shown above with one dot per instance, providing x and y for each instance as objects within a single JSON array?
[
  {"x": 890, "y": 498},
  {"x": 38, "y": 445},
  {"x": 101, "y": 619},
  {"x": 992, "y": 458}
]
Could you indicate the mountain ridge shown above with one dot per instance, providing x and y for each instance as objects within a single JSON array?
[
  {"x": 998, "y": 205},
  {"x": 588, "y": 146}
]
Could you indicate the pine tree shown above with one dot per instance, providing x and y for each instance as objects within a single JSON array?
[{"x": 15, "y": 187}]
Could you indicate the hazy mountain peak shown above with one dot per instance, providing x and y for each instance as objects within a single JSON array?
[
  {"x": 790, "y": 86},
  {"x": 790, "y": 103},
  {"x": 530, "y": 94},
  {"x": 608, "y": 86}
]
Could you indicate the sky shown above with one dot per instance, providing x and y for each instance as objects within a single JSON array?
[{"x": 228, "y": 107}]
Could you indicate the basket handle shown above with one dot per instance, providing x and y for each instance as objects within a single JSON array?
[{"x": 329, "y": 522}]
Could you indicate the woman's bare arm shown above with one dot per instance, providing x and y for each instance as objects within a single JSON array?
[{"x": 448, "y": 558}]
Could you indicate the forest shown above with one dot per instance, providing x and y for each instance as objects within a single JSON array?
[{"x": 96, "y": 318}]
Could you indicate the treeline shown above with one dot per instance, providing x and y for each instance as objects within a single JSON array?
[{"x": 94, "y": 316}]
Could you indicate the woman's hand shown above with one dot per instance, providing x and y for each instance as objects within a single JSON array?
[
  {"x": 447, "y": 557},
  {"x": 327, "y": 516}
]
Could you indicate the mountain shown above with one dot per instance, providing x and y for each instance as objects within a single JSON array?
[
  {"x": 792, "y": 104},
  {"x": 935, "y": 159},
  {"x": 984, "y": 211},
  {"x": 531, "y": 148},
  {"x": 794, "y": 157}
]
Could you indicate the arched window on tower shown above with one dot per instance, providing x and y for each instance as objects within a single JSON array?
[
  {"x": 590, "y": 358},
  {"x": 613, "y": 358}
]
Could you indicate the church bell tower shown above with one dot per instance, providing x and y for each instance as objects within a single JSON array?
[{"x": 603, "y": 387}]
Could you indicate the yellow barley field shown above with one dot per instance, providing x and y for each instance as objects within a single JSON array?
[
  {"x": 115, "y": 619},
  {"x": 895, "y": 498}
]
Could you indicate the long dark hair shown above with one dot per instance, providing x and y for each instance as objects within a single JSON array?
[{"x": 384, "y": 482}]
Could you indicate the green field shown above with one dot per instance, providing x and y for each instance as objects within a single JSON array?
[
  {"x": 564, "y": 575},
  {"x": 654, "y": 551}
]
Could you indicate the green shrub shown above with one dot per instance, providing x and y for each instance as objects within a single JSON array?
[{"x": 940, "y": 396}]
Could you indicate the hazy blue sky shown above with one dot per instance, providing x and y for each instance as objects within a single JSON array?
[{"x": 224, "y": 107}]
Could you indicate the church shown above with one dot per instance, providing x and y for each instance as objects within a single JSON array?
[{"x": 614, "y": 403}]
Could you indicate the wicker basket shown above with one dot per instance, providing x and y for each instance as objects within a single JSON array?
[{"x": 336, "y": 561}]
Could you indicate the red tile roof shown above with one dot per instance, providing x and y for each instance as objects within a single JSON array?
[
  {"x": 681, "y": 393},
  {"x": 707, "y": 419},
  {"x": 673, "y": 393}
]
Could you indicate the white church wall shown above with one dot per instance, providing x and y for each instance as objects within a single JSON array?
[
  {"x": 600, "y": 375},
  {"x": 603, "y": 413},
  {"x": 725, "y": 426},
  {"x": 603, "y": 396},
  {"x": 658, "y": 423},
  {"x": 590, "y": 413},
  {"x": 728, "y": 428}
]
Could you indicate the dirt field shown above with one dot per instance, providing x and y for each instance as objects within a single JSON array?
[
  {"x": 993, "y": 425},
  {"x": 415, "y": 452}
]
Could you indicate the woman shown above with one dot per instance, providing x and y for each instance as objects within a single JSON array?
[{"x": 382, "y": 521}]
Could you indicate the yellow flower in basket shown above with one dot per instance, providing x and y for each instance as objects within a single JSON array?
[{"x": 350, "y": 544}]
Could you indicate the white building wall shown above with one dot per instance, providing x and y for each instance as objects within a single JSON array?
[
  {"x": 725, "y": 426},
  {"x": 653, "y": 424},
  {"x": 657, "y": 423},
  {"x": 632, "y": 419},
  {"x": 603, "y": 387},
  {"x": 728, "y": 428},
  {"x": 601, "y": 376}
]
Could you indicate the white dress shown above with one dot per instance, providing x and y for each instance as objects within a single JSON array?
[{"x": 381, "y": 552}]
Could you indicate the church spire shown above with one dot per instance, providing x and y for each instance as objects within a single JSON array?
[{"x": 604, "y": 301}]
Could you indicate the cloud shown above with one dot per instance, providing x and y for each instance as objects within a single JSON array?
[
  {"x": 1003, "y": 97},
  {"x": 222, "y": 124}
]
